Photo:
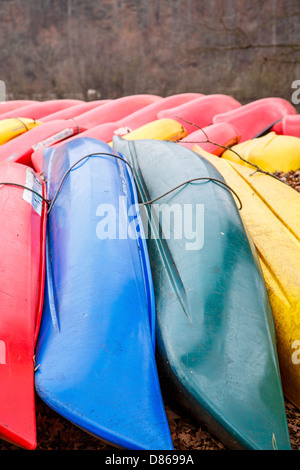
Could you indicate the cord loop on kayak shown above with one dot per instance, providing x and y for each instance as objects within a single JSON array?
[
  {"x": 208, "y": 178},
  {"x": 25, "y": 187},
  {"x": 99, "y": 154},
  {"x": 125, "y": 161}
]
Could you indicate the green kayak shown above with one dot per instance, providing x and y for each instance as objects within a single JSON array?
[{"x": 215, "y": 337}]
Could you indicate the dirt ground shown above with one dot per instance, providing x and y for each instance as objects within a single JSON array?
[{"x": 56, "y": 433}]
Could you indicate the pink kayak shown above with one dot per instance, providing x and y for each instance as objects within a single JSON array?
[
  {"x": 200, "y": 111},
  {"x": 104, "y": 132},
  {"x": 149, "y": 113},
  {"x": 221, "y": 133},
  {"x": 39, "y": 109},
  {"x": 288, "y": 125},
  {"x": 7, "y": 106},
  {"x": 115, "y": 110},
  {"x": 253, "y": 118},
  {"x": 74, "y": 111},
  {"x": 20, "y": 149}
]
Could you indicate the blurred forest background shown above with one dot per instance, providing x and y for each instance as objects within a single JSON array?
[{"x": 63, "y": 48}]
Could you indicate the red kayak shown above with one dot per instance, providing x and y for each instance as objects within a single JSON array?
[
  {"x": 7, "y": 106},
  {"x": 115, "y": 110},
  {"x": 200, "y": 111},
  {"x": 20, "y": 148},
  {"x": 253, "y": 118},
  {"x": 288, "y": 125},
  {"x": 74, "y": 111},
  {"x": 22, "y": 253},
  {"x": 221, "y": 133},
  {"x": 104, "y": 132},
  {"x": 40, "y": 109},
  {"x": 149, "y": 113}
]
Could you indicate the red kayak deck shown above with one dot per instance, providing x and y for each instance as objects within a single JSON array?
[{"x": 22, "y": 244}]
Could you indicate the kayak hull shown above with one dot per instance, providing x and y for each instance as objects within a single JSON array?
[
  {"x": 96, "y": 345},
  {"x": 271, "y": 211},
  {"x": 22, "y": 243},
  {"x": 270, "y": 153},
  {"x": 214, "y": 328}
]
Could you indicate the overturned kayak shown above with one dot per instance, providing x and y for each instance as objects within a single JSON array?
[
  {"x": 39, "y": 109},
  {"x": 200, "y": 111},
  {"x": 10, "y": 105},
  {"x": 271, "y": 211},
  {"x": 21, "y": 148},
  {"x": 288, "y": 125},
  {"x": 270, "y": 152},
  {"x": 149, "y": 113},
  {"x": 160, "y": 129},
  {"x": 13, "y": 127},
  {"x": 115, "y": 110},
  {"x": 102, "y": 132},
  {"x": 255, "y": 117},
  {"x": 215, "y": 339},
  {"x": 22, "y": 253},
  {"x": 213, "y": 138},
  {"x": 95, "y": 351},
  {"x": 73, "y": 111}
]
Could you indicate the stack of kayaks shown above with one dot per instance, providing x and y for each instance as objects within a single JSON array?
[{"x": 113, "y": 299}]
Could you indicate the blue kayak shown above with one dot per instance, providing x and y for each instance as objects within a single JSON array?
[
  {"x": 215, "y": 335},
  {"x": 95, "y": 353}
]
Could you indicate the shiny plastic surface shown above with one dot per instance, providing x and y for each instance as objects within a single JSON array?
[
  {"x": 215, "y": 334},
  {"x": 271, "y": 153},
  {"x": 75, "y": 110},
  {"x": 13, "y": 127},
  {"x": 20, "y": 149},
  {"x": 96, "y": 345},
  {"x": 200, "y": 111},
  {"x": 254, "y": 117},
  {"x": 22, "y": 245},
  {"x": 288, "y": 125},
  {"x": 223, "y": 134},
  {"x": 271, "y": 211},
  {"x": 149, "y": 113},
  {"x": 115, "y": 110},
  {"x": 40, "y": 109},
  {"x": 10, "y": 105}
]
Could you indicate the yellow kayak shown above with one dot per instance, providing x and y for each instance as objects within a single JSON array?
[
  {"x": 271, "y": 213},
  {"x": 160, "y": 129},
  {"x": 271, "y": 152},
  {"x": 12, "y": 127}
]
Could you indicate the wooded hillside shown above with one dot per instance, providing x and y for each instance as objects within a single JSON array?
[{"x": 62, "y": 48}]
